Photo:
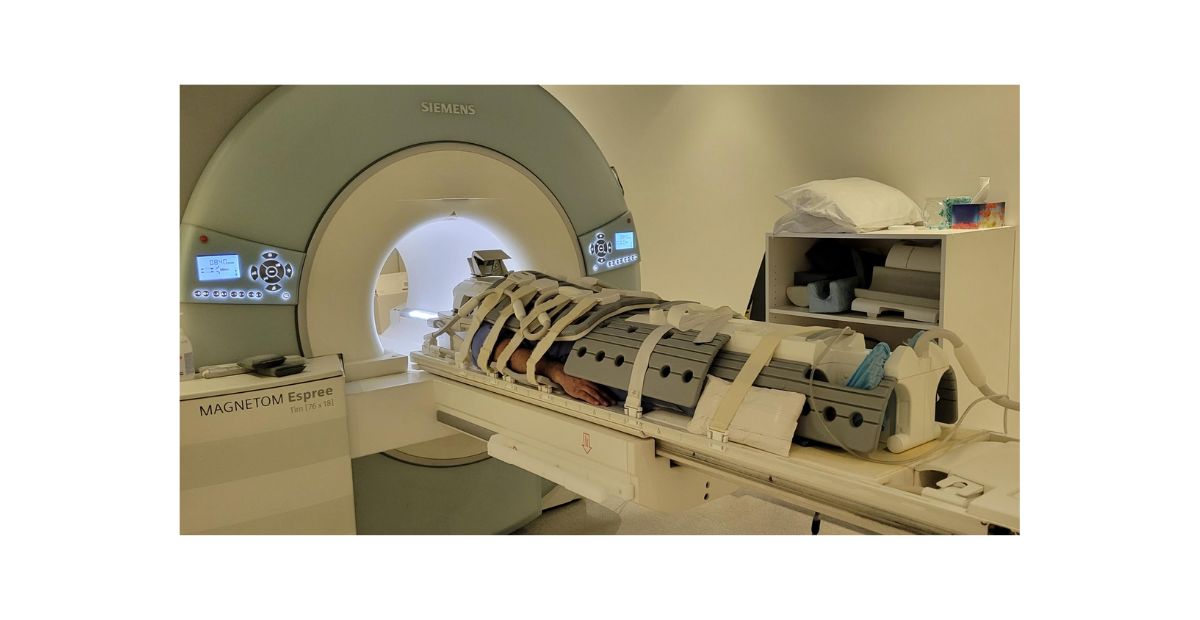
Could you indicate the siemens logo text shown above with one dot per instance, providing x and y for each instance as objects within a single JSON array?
[{"x": 447, "y": 108}]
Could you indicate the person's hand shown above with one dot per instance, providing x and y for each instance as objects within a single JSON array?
[
  {"x": 581, "y": 388},
  {"x": 586, "y": 390}
]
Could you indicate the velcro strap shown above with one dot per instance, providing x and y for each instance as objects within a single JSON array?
[
  {"x": 543, "y": 313},
  {"x": 481, "y": 312},
  {"x": 759, "y": 358},
  {"x": 462, "y": 312},
  {"x": 719, "y": 318},
  {"x": 628, "y": 293},
  {"x": 689, "y": 316},
  {"x": 519, "y": 297},
  {"x": 637, "y": 378},
  {"x": 581, "y": 307},
  {"x": 685, "y": 316},
  {"x": 548, "y": 301}
]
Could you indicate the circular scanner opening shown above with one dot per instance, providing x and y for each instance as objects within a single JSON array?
[{"x": 395, "y": 244}]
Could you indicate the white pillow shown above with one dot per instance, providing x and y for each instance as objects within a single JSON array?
[
  {"x": 765, "y": 420},
  {"x": 856, "y": 204}
]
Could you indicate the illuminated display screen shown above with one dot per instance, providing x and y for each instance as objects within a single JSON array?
[
  {"x": 218, "y": 267},
  {"x": 623, "y": 240}
]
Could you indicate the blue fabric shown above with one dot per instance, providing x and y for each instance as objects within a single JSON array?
[
  {"x": 870, "y": 371},
  {"x": 912, "y": 342},
  {"x": 557, "y": 351}
]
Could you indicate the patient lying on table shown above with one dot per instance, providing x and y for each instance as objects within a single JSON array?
[{"x": 551, "y": 366}]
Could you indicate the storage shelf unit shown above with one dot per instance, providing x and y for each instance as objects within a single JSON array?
[{"x": 975, "y": 298}]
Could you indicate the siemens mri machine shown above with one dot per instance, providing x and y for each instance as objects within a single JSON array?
[{"x": 280, "y": 192}]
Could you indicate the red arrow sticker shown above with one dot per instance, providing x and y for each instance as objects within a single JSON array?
[{"x": 587, "y": 443}]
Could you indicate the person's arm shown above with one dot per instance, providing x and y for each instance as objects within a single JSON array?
[{"x": 553, "y": 369}]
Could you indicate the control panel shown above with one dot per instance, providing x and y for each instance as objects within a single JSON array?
[
  {"x": 612, "y": 246},
  {"x": 219, "y": 268}
]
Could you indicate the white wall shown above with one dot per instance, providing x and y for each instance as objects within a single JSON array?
[{"x": 701, "y": 164}]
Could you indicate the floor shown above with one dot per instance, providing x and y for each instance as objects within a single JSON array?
[{"x": 742, "y": 512}]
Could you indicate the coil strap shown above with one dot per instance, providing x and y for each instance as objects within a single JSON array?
[
  {"x": 719, "y": 318},
  {"x": 538, "y": 313},
  {"x": 480, "y": 314},
  {"x": 690, "y": 315},
  {"x": 637, "y": 378},
  {"x": 581, "y": 307},
  {"x": 718, "y": 426},
  {"x": 465, "y": 310},
  {"x": 519, "y": 297},
  {"x": 545, "y": 311}
]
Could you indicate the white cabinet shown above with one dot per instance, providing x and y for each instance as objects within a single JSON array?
[
  {"x": 975, "y": 300},
  {"x": 266, "y": 455}
]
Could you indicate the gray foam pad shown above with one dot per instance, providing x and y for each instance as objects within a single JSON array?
[
  {"x": 834, "y": 296},
  {"x": 909, "y": 282},
  {"x": 854, "y": 417},
  {"x": 676, "y": 370},
  {"x": 678, "y": 367}
]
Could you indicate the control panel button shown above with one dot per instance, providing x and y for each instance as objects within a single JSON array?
[
  {"x": 273, "y": 287},
  {"x": 253, "y": 272},
  {"x": 271, "y": 271},
  {"x": 287, "y": 271},
  {"x": 196, "y": 293},
  {"x": 204, "y": 293},
  {"x": 286, "y": 295},
  {"x": 601, "y": 247},
  {"x": 269, "y": 255}
]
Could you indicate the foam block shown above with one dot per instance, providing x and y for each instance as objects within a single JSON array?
[
  {"x": 907, "y": 282},
  {"x": 832, "y": 296},
  {"x": 903, "y": 256},
  {"x": 874, "y": 308},
  {"x": 798, "y": 295}
]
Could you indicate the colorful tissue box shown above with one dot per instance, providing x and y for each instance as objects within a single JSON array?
[{"x": 988, "y": 215}]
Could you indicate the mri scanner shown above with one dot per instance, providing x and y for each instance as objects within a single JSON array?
[{"x": 281, "y": 245}]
